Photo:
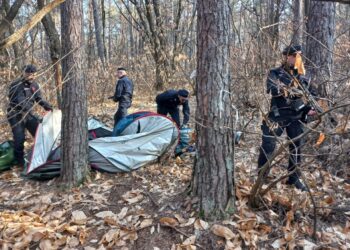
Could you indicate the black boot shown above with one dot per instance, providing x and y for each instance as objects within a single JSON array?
[{"x": 294, "y": 180}]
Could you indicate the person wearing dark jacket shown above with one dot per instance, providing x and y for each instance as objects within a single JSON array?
[
  {"x": 169, "y": 101},
  {"x": 123, "y": 94},
  {"x": 23, "y": 94},
  {"x": 287, "y": 111}
]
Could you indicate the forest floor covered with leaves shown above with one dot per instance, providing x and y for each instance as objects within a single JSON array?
[{"x": 151, "y": 208}]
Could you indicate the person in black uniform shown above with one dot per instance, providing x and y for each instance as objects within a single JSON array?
[
  {"x": 123, "y": 94},
  {"x": 287, "y": 111},
  {"x": 23, "y": 93},
  {"x": 168, "y": 103}
]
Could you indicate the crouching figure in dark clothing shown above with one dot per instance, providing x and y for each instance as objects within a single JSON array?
[
  {"x": 23, "y": 93},
  {"x": 169, "y": 101},
  {"x": 123, "y": 95},
  {"x": 288, "y": 110}
]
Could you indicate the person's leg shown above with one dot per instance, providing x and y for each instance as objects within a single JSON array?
[
  {"x": 32, "y": 124},
  {"x": 18, "y": 131},
  {"x": 121, "y": 113},
  {"x": 175, "y": 115},
  {"x": 294, "y": 129},
  {"x": 268, "y": 144}
]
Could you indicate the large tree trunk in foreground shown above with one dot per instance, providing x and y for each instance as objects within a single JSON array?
[
  {"x": 214, "y": 167},
  {"x": 74, "y": 107},
  {"x": 320, "y": 42}
]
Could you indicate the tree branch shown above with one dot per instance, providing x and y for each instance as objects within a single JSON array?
[{"x": 28, "y": 26}]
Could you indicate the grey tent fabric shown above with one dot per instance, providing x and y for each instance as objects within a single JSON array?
[{"x": 141, "y": 142}]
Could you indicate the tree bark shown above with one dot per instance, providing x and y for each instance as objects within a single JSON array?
[
  {"x": 55, "y": 50},
  {"x": 214, "y": 165},
  {"x": 74, "y": 153},
  {"x": 10, "y": 15},
  {"x": 298, "y": 22},
  {"x": 319, "y": 43},
  {"x": 99, "y": 41}
]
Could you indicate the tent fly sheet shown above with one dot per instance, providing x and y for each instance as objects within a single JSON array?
[{"x": 138, "y": 139}]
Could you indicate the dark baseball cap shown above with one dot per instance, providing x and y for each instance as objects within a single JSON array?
[
  {"x": 29, "y": 68},
  {"x": 183, "y": 93}
]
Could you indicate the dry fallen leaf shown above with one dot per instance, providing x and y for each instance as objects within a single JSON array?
[
  {"x": 201, "y": 225},
  {"x": 190, "y": 240},
  {"x": 133, "y": 196},
  {"x": 146, "y": 223},
  {"x": 222, "y": 231},
  {"x": 168, "y": 221},
  {"x": 79, "y": 217},
  {"x": 104, "y": 214}
]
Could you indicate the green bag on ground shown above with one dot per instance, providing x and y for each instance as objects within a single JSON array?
[{"x": 6, "y": 155}]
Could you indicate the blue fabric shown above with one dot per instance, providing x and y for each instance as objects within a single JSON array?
[
  {"x": 184, "y": 143},
  {"x": 126, "y": 121}
]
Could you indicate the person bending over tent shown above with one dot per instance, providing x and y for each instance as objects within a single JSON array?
[
  {"x": 123, "y": 95},
  {"x": 23, "y": 93},
  {"x": 169, "y": 101}
]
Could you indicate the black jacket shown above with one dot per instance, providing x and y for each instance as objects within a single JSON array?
[
  {"x": 23, "y": 95},
  {"x": 123, "y": 90},
  {"x": 170, "y": 100},
  {"x": 286, "y": 104}
]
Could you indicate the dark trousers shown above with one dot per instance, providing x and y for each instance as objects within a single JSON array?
[
  {"x": 293, "y": 129},
  {"x": 121, "y": 112},
  {"x": 174, "y": 113},
  {"x": 18, "y": 126}
]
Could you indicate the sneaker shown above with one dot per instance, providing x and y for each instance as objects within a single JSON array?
[{"x": 297, "y": 183}]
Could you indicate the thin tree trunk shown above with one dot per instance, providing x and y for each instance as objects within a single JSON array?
[
  {"x": 98, "y": 35},
  {"x": 298, "y": 22},
  {"x": 29, "y": 25},
  {"x": 10, "y": 15},
  {"x": 74, "y": 153},
  {"x": 214, "y": 165},
  {"x": 55, "y": 50}
]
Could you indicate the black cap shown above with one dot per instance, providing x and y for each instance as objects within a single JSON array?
[
  {"x": 292, "y": 49},
  {"x": 183, "y": 93},
  {"x": 121, "y": 68},
  {"x": 29, "y": 68}
]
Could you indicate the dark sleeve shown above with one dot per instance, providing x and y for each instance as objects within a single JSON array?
[
  {"x": 186, "y": 112},
  {"x": 38, "y": 97},
  {"x": 17, "y": 98},
  {"x": 271, "y": 83},
  {"x": 161, "y": 98},
  {"x": 118, "y": 90}
]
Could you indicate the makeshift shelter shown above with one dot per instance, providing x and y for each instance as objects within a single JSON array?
[{"x": 138, "y": 139}]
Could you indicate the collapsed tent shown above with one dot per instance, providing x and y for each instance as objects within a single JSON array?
[{"x": 138, "y": 139}]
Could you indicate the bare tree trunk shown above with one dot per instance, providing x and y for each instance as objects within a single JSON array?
[
  {"x": 319, "y": 42},
  {"x": 74, "y": 106},
  {"x": 214, "y": 166},
  {"x": 104, "y": 29},
  {"x": 298, "y": 22},
  {"x": 55, "y": 50},
  {"x": 99, "y": 41},
  {"x": 6, "y": 9},
  {"x": 11, "y": 14}
]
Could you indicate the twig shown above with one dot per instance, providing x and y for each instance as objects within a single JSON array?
[
  {"x": 184, "y": 234},
  {"x": 151, "y": 198}
]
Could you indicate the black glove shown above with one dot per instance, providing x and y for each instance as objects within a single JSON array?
[{"x": 47, "y": 107}]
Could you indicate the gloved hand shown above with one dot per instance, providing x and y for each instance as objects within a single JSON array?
[{"x": 47, "y": 108}]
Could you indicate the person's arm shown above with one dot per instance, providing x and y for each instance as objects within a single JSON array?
[
  {"x": 38, "y": 97},
  {"x": 118, "y": 90},
  {"x": 272, "y": 83},
  {"x": 17, "y": 98},
  {"x": 186, "y": 113}
]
